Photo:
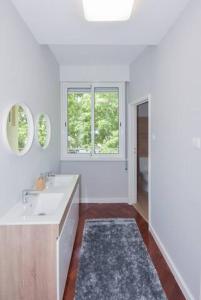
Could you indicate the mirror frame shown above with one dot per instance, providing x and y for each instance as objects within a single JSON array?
[
  {"x": 49, "y": 130},
  {"x": 30, "y": 130}
]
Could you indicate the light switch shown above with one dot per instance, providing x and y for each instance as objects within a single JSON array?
[{"x": 196, "y": 142}]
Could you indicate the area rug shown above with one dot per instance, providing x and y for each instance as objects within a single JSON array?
[{"x": 114, "y": 263}]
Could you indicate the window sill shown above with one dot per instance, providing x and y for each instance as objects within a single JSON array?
[{"x": 93, "y": 159}]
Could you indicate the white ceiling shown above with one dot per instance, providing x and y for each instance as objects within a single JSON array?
[
  {"x": 61, "y": 24},
  {"x": 95, "y": 55}
]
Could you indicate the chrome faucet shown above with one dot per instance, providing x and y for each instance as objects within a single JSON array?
[
  {"x": 47, "y": 175},
  {"x": 27, "y": 193},
  {"x": 51, "y": 174}
]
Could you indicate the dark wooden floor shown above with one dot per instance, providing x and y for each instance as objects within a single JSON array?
[{"x": 92, "y": 211}]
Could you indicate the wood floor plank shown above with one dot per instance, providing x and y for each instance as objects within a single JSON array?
[{"x": 93, "y": 211}]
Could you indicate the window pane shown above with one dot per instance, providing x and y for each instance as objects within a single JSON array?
[
  {"x": 106, "y": 119},
  {"x": 79, "y": 121}
]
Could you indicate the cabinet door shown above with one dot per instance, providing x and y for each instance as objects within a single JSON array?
[
  {"x": 75, "y": 213},
  {"x": 65, "y": 244}
]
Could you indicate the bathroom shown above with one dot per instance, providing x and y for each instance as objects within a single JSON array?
[{"x": 69, "y": 92}]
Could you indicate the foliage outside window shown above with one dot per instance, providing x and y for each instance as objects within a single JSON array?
[
  {"x": 17, "y": 128},
  {"x": 79, "y": 121},
  {"x": 92, "y": 118},
  {"x": 42, "y": 130},
  {"x": 23, "y": 129},
  {"x": 106, "y": 121}
]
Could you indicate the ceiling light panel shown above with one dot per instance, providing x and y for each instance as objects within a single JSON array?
[{"x": 107, "y": 10}]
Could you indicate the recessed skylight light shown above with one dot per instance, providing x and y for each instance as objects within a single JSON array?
[{"x": 107, "y": 10}]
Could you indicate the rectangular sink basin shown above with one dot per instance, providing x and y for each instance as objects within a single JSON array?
[
  {"x": 45, "y": 207},
  {"x": 43, "y": 204}
]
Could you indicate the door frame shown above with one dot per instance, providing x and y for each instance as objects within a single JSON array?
[{"x": 132, "y": 150}]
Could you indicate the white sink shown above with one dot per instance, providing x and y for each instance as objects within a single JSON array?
[
  {"x": 46, "y": 207},
  {"x": 43, "y": 204},
  {"x": 62, "y": 180}
]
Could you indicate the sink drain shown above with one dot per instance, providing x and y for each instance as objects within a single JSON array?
[{"x": 42, "y": 214}]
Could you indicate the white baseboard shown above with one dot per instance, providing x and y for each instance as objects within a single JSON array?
[
  {"x": 104, "y": 200},
  {"x": 171, "y": 265}
]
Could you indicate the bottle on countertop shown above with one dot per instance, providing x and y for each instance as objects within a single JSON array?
[{"x": 40, "y": 183}]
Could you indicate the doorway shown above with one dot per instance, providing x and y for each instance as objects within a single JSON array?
[
  {"x": 142, "y": 159},
  {"x": 139, "y": 156}
]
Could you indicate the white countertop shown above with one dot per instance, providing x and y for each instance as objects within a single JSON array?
[{"x": 17, "y": 216}]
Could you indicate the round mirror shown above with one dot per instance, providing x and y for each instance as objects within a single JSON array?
[
  {"x": 19, "y": 130},
  {"x": 43, "y": 130}
]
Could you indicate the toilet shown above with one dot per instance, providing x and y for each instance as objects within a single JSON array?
[{"x": 143, "y": 170}]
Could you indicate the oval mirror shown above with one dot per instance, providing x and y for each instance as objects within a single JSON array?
[
  {"x": 43, "y": 130},
  {"x": 19, "y": 130}
]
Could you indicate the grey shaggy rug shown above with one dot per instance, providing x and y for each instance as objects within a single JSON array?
[{"x": 114, "y": 263}]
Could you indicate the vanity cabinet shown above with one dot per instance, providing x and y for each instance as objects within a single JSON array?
[
  {"x": 34, "y": 258},
  {"x": 65, "y": 244}
]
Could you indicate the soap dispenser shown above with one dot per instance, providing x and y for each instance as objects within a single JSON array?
[{"x": 40, "y": 183}]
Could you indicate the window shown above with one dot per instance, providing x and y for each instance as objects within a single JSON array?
[
  {"x": 78, "y": 103},
  {"x": 93, "y": 121}
]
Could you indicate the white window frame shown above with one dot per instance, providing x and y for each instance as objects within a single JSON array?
[{"x": 64, "y": 134}]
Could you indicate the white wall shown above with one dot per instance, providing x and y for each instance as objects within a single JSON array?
[
  {"x": 171, "y": 73},
  {"x": 101, "y": 181},
  {"x": 28, "y": 74},
  {"x": 95, "y": 73}
]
